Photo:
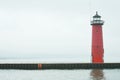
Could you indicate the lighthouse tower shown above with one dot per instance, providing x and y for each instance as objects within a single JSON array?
[{"x": 97, "y": 39}]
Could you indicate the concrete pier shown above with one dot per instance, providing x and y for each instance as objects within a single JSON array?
[{"x": 38, "y": 66}]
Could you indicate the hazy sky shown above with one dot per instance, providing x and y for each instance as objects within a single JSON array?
[{"x": 57, "y": 28}]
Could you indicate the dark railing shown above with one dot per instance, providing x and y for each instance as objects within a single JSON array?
[{"x": 101, "y": 22}]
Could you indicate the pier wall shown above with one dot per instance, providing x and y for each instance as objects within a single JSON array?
[{"x": 61, "y": 66}]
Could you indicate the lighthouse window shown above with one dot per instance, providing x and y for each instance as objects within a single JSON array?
[{"x": 96, "y": 18}]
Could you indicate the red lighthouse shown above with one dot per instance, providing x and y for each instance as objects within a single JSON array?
[{"x": 97, "y": 39}]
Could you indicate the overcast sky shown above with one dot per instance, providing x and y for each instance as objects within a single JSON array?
[{"x": 57, "y": 28}]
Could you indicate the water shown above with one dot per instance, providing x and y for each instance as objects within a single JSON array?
[{"x": 109, "y": 74}]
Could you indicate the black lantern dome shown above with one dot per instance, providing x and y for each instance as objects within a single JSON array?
[{"x": 97, "y": 20}]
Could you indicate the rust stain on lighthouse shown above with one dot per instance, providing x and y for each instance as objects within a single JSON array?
[{"x": 97, "y": 39}]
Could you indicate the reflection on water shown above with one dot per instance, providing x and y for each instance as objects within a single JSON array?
[{"x": 97, "y": 74}]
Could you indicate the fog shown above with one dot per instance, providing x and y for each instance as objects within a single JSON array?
[{"x": 57, "y": 29}]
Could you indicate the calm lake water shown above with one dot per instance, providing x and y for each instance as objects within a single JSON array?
[{"x": 108, "y": 74}]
